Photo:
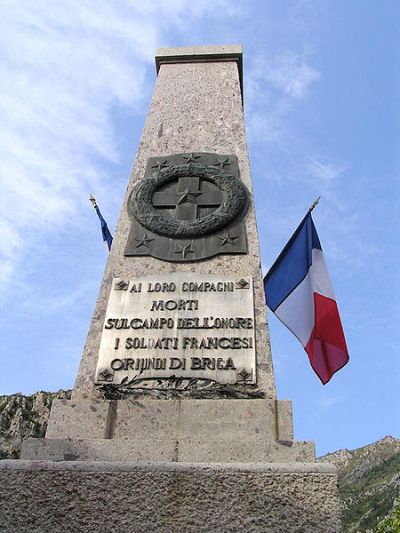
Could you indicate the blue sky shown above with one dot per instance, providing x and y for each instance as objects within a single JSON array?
[{"x": 320, "y": 86}]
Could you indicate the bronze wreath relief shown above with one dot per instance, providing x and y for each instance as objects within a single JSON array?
[{"x": 180, "y": 207}]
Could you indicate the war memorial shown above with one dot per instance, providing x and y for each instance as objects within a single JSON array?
[{"x": 174, "y": 424}]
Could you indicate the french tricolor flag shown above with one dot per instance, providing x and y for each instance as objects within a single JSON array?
[{"x": 299, "y": 292}]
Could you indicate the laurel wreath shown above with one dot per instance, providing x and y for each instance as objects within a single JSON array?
[{"x": 235, "y": 201}]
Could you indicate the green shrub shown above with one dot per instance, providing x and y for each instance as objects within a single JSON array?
[{"x": 391, "y": 523}]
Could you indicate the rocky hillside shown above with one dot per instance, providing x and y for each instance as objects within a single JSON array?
[
  {"x": 369, "y": 481},
  {"x": 22, "y": 417},
  {"x": 369, "y": 477}
]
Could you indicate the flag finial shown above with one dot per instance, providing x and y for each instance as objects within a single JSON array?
[
  {"x": 314, "y": 204},
  {"x": 93, "y": 200}
]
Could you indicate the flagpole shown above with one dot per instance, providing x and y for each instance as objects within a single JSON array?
[
  {"x": 314, "y": 205},
  {"x": 93, "y": 200}
]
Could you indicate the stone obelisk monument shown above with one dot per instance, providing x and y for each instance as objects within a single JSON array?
[{"x": 174, "y": 408}]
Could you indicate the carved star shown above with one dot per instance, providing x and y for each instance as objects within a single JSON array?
[
  {"x": 222, "y": 162},
  {"x": 185, "y": 250},
  {"x": 189, "y": 158},
  {"x": 228, "y": 239},
  {"x": 160, "y": 164},
  {"x": 188, "y": 197},
  {"x": 143, "y": 241}
]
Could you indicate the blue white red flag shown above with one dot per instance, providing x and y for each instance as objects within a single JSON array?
[{"x": 299, "y": 292}]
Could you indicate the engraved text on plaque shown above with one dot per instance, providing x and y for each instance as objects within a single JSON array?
[{"x": 177, "y": 330}]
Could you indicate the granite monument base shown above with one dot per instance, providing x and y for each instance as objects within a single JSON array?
[
  {"x": 182, "y": 430},
  {"x": 38, "y": 496}
]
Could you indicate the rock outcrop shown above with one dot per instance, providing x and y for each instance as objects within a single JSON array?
[
  {"x": 369, "y": 482},
  {"x": 22, "y": 417}
]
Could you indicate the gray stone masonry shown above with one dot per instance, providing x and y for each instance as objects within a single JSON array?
[
  {"x": 42, "y": 496},
  {"x": 196, "y": 107},
  {"x": 172, "y": 430},
  {"x": 202, "y": 418}
]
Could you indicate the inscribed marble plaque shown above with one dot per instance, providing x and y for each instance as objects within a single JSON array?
[{"x": 177, "y": 331}]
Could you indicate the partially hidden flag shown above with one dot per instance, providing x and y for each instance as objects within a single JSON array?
[
  {"x": 299, "y": 292},
  {"x": 107, "y": 237}
]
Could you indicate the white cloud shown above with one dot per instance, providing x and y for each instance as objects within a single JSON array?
[
  {"x": 288, "y": 73},
  {"x": 326, "y": 172},
  {"x": 277, "y": 84},
  {"x": 327, "y": 402},
  {"x": 268, "y": 126},
  {"x": 64, "y": 66},
  {"x": 291, "y": 74}
]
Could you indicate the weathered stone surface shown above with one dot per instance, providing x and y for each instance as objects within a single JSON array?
[
  {"x": 220, "y": 52},
  {"x": 146, "y": 449},
  {"x": 284, "y": 420},
  {"x": 71, "y": 419},
  {"x": 230, "y": 450},
  {"x": 182, "y": 120},
  {"x": 191, "y": 430},
  {"x": 167, "y": 497}
]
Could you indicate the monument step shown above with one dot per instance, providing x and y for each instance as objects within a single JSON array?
[
  {"x": 214, "y": 449},
  {"x": 174, "y": 419},
  {"x": 168, "y": 497}
]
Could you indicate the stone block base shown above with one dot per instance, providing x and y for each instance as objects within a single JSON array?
[
  {"x": 91, "y": 419},
  {"x": 215, "y": 450},
  {"x": 217, "y": 431},
  {"x": 38, "y": 496}
]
